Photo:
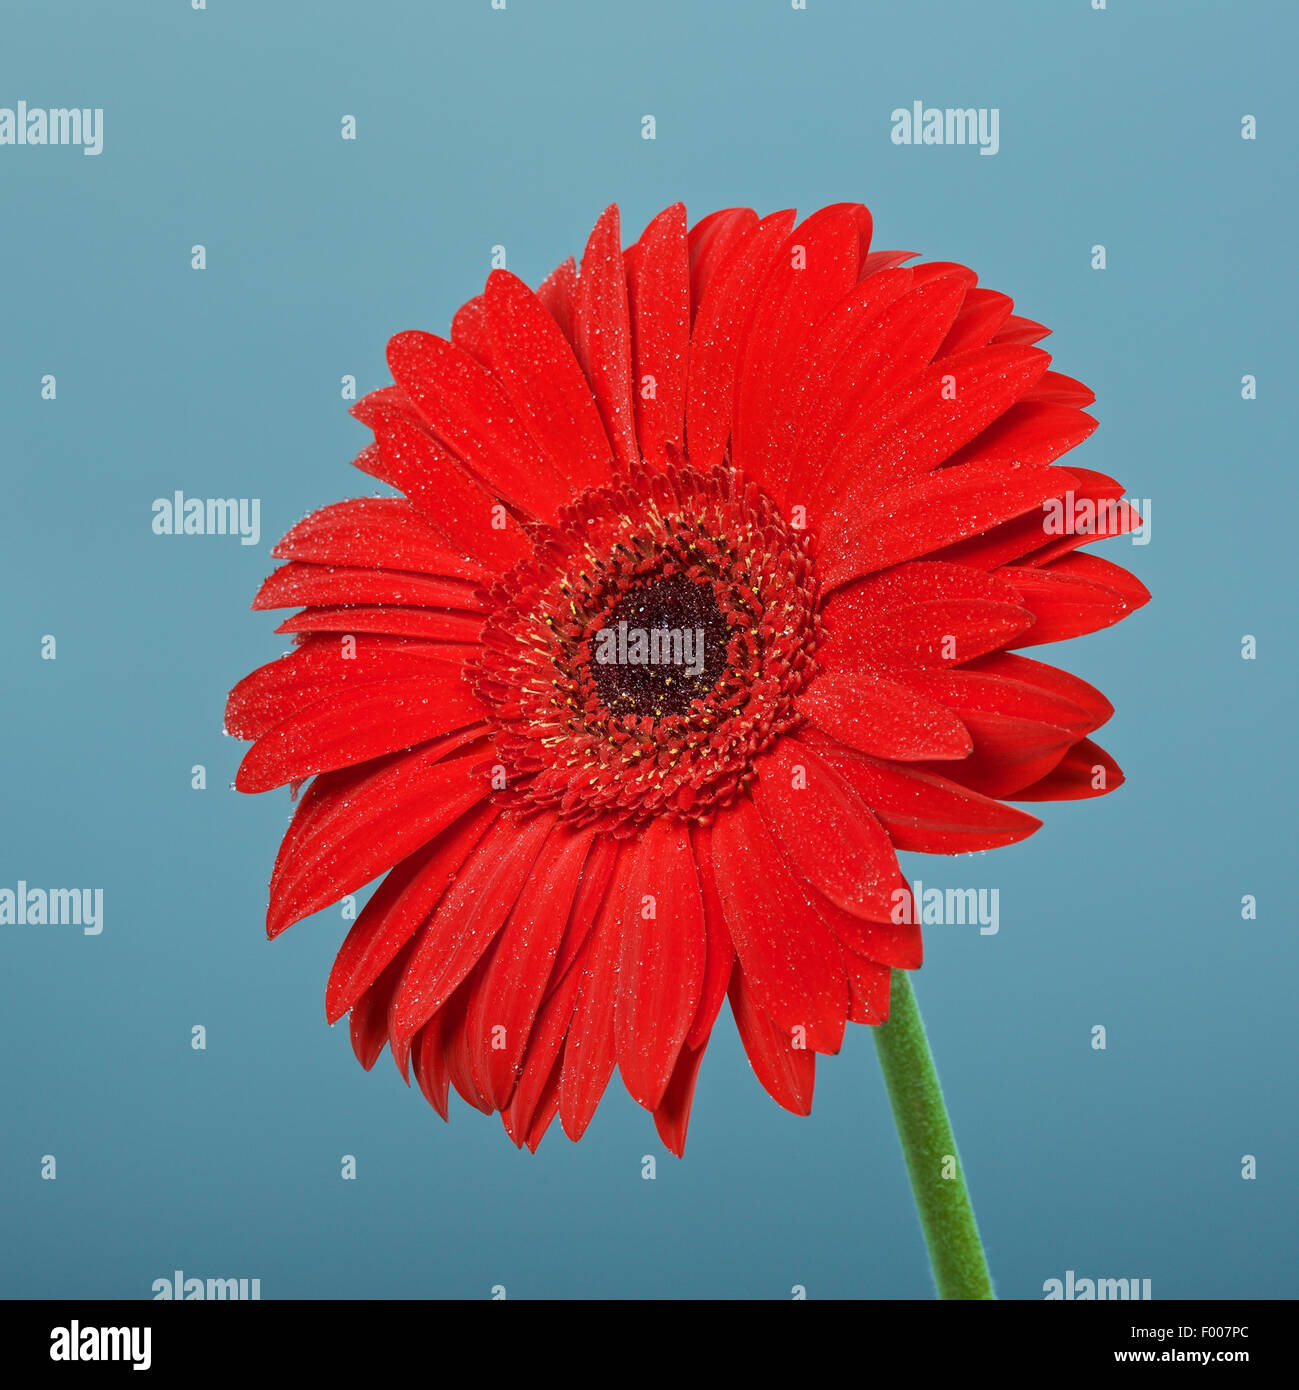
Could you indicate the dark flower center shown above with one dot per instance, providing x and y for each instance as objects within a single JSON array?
[{"x": 666, "y": 642}]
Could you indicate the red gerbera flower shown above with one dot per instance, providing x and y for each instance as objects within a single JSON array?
[{"x": 819, "y": 474}]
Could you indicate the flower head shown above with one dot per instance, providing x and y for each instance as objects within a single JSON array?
[{"x": 695, "y": 607}]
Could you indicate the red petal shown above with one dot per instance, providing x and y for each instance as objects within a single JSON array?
[
  {"x": 1010, "y": 753},
  {"x": 672, "y": 1117},
  {"x": 1085, "y": 770},
  {"x": 840, "y": 350},
  {"x": 1030, "y": 432},
  {"x": 828, "y": 832},
  {"x": 876, "y": 715},
  {"x": 920, "y": 614},
  {"x": 929, "y": 814},
  {"x": 711, "y": 241},
  {"x": 1026, "y": 538},
  {"x": 790, "y": 957},
  {"x": 352, "y": 825},
  {"x": 470, "y": 414},
  {"x": 816, "y": 267},
  {"x": 1097, "y": 709},
  {"x": 1020, "y": 731},
  {"x": 455, "y": 1047},
  {"x": 589, "y": 1050},
  {"x": 1059, "y": 389},
  {"x": 357, "y": 723},
  {"x": 469, "y": 331},
  {"x": 663, "y": 953},
  {"x": 887, "y": 331},
  {"x": 659, "y": 299},
  {"x": 914, "y": 583},
  {"x": 1094, "y": 511},
  {"x": 869, "y": 983},
  {"x": 721, "y": 325},
  {"x": 929, "y": 511},
  {"x": 547, "y": 1109},
  {"x": 323, "y": 666},
  {"x": 925, "y": 420},
  {"x": 378, "y": 532},
  {"x": 787, "y": 1073},
  {"x": 602, "y": 333},
  {"x": 877, "y": 262},
  {"x": 296, "y": 585},
  {"x": 860, "y": 214},
  {"x": 464, "y": 925},
  {"x": 428, "y": 1061},
  {"x": 400, "y": 904},
  {"x": 1018, "y": 329},
  {"x": 368, "y": 1024},
  {"x": 1100, "y": 571},
  {"x": 942, "y": 633},
  {"x": 1069, "y": 599},
  {"x": 982, "y": 314},
  {"x": 385, "y": 403},
  {"x": 986, "y": 691},
  {"x": 542, "y": 1060},
  {"x": 598, "y": 876},
  {"x": 558, "y": 292},
  {"x": 441, "y": 624},
  {"x": 933, "y": 269},
  {"x": 518, "y": 969},
  {"x": 543, "y": 380},
  {"x": 437, "y": 484},
  {"x": 721, "y": 953}
]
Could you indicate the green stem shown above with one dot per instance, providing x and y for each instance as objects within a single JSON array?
[{"x": 946, "y": 1216}]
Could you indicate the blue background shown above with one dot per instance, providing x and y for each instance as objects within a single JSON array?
[{"x": 475, "y": 128}]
